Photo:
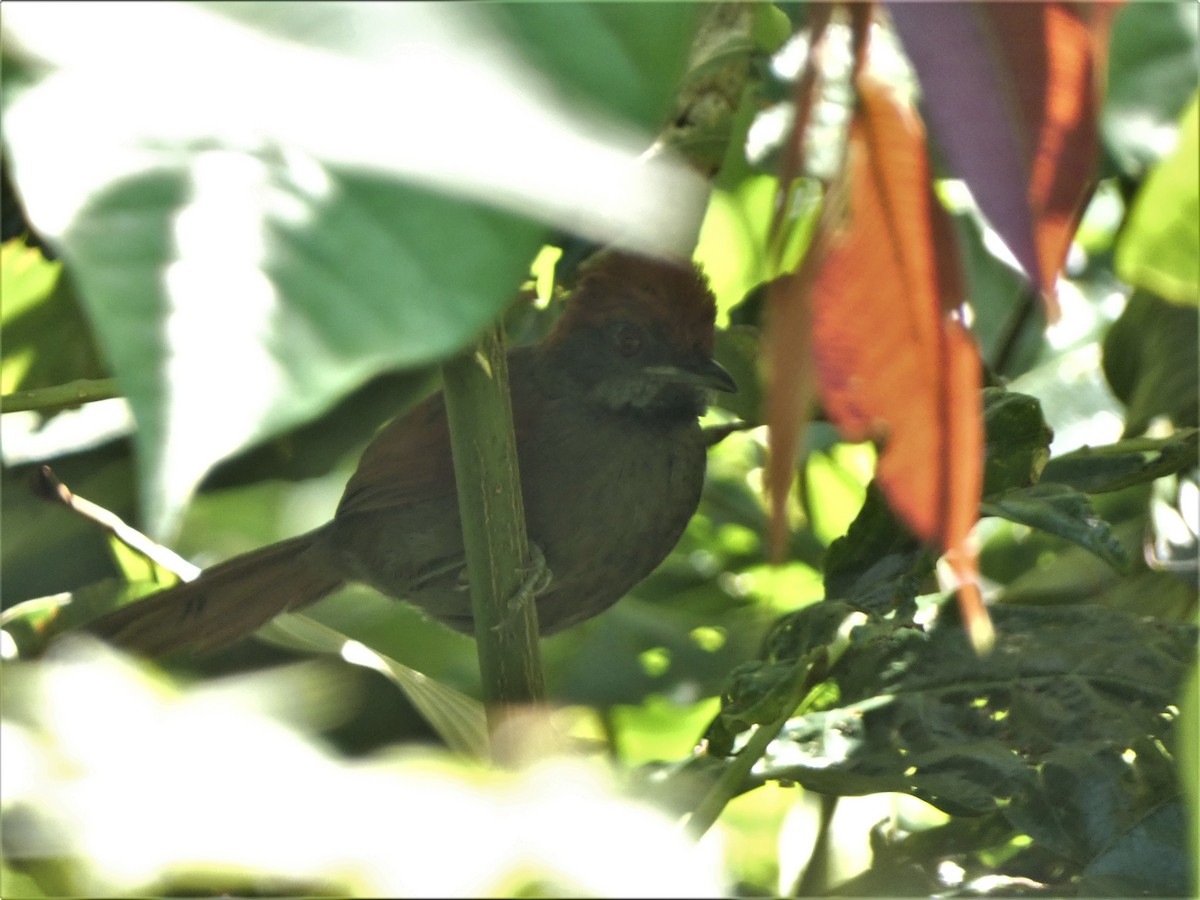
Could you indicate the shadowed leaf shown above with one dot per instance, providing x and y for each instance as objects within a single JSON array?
[
  {"x": 919, "y": 712},
  {"x": 1150, "y": 361},
  {"x": 1098, "y": 470},
  {"x": 1064, "y": 511}
]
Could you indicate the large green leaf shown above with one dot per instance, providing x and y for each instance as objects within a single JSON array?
[
  {"x": 918, "y": 711},
  {"x": 247, "y": 341},
  {"x": 626, "y": 59},
  {"x": 304, "y": 196}
]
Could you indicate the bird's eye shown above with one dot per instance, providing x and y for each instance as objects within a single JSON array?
[{"x": 628, "y": 339}]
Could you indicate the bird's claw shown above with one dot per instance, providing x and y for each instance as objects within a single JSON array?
[
  {"x": 536, "y": 578},
  {"x": 537, "y": 574}
]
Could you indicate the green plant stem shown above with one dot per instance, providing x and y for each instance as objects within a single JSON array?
[
  {"x": 60, "y": 396},
  {"x": 493, "y": 515}
]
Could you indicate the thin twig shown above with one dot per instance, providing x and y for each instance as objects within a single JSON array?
[
  {"x": 60, "y": 396},
  {"x": 50, "y": 487}
]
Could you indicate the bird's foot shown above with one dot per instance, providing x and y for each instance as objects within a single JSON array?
[{"x": 536, "y": 577}]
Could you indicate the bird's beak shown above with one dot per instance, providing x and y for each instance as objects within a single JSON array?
[{"x": 707, "y": 373}]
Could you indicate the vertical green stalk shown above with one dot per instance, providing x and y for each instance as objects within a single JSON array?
[{"x": 493, "y": 517}]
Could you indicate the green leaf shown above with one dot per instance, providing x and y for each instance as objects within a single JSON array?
[
  {"x": 737, "y": 351},
  {"x": 269, "y": 246},
  {"x": 1074, "y": 804},
  {"x": 624, "y": 58},
  {"x": 1018, "y": 440},
  {"x": 458, "y": 719},
  {"x": 1148, "y": 859},
  {"x": 1097, "y": 470},
  {"x": 371, "y": 282},
  {"x": 1151, "y": 78},
  {"x": 1061, "y": 510},
  {"x": 878, "y": 565},
  {"x": 1008, "y": 321},
  {"x": 919, "y": 712},
  {"x": 46, "y": 338},
  {"x": 1157, "y": 249},
  {"x": 1151, "y": 354},
  {"x": 26, "y": 278}
]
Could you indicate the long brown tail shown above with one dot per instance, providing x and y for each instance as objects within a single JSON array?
[{"x": 225, "y": 603}]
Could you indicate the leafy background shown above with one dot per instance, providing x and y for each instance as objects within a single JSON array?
[{"x": 268, "y": 281}]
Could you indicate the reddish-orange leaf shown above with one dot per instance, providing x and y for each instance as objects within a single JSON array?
[
  {"x": 1013, "y": 110},
  {"x": 892, "y": 364},
  {"x": 1049, "y": 49},
  {"x": 786, "y": 345},
  {"x": 787, "y": 350}
]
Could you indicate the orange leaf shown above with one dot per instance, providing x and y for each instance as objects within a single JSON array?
[
  {"x": 787, "y": 351},
  {"x": 1013, "y": 110},
  {"x": 892, "y": 364},
  {"x": 1049, "y": 49},
  {"x": 786, "y": 342}
]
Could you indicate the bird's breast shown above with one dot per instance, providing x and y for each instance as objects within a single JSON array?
[{"x": 607, "y": 509}]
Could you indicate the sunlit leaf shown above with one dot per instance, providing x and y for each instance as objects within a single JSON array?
[
  {"x": 251, "y": 246},
  {"x": 1159, "y": 247},
  {"x": 47, "y": 341}
]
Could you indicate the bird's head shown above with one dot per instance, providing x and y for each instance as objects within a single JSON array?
[{"x": 637, "y": 336}]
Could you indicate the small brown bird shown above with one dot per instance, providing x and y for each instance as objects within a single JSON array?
[{"x": 611, "y": 456}]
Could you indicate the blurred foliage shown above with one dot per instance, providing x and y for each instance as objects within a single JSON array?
[{"x": 313, "y": 761}]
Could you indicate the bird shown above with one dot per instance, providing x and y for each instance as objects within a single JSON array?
[{"x": 611, "y": 457}]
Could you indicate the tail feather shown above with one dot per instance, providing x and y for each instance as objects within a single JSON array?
[{"x": 225, "y": 603}]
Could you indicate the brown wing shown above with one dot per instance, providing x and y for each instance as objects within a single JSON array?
[{"x": 409, "y": 462}]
